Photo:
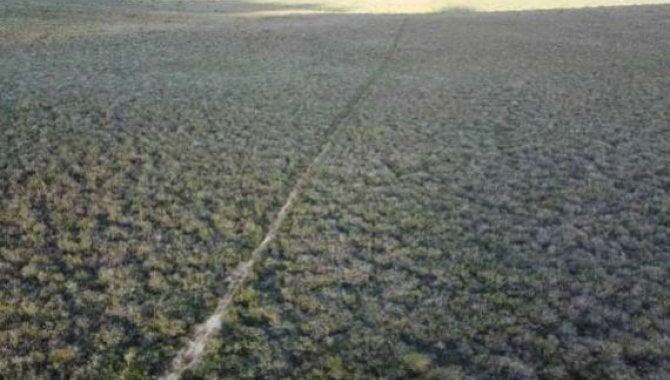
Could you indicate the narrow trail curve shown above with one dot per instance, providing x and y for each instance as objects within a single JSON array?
[{"x": 189, "y": 357}]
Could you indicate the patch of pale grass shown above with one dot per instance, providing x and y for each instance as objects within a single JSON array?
[
  {"x": 78, "y": 21},
  {"x": 429, "y": 6}
]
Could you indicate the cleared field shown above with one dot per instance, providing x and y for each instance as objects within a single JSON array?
[{"x": 494, "y": 202}]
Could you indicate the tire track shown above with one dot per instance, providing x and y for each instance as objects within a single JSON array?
[{"x": 189, "y": 356}]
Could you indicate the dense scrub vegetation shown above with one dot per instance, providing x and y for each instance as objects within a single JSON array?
[
  {"x": 496, "y": 207},
  {"x": 137, "y": 169}
]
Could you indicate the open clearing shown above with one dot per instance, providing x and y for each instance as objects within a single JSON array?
[{"x": 445, "y": 195}]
